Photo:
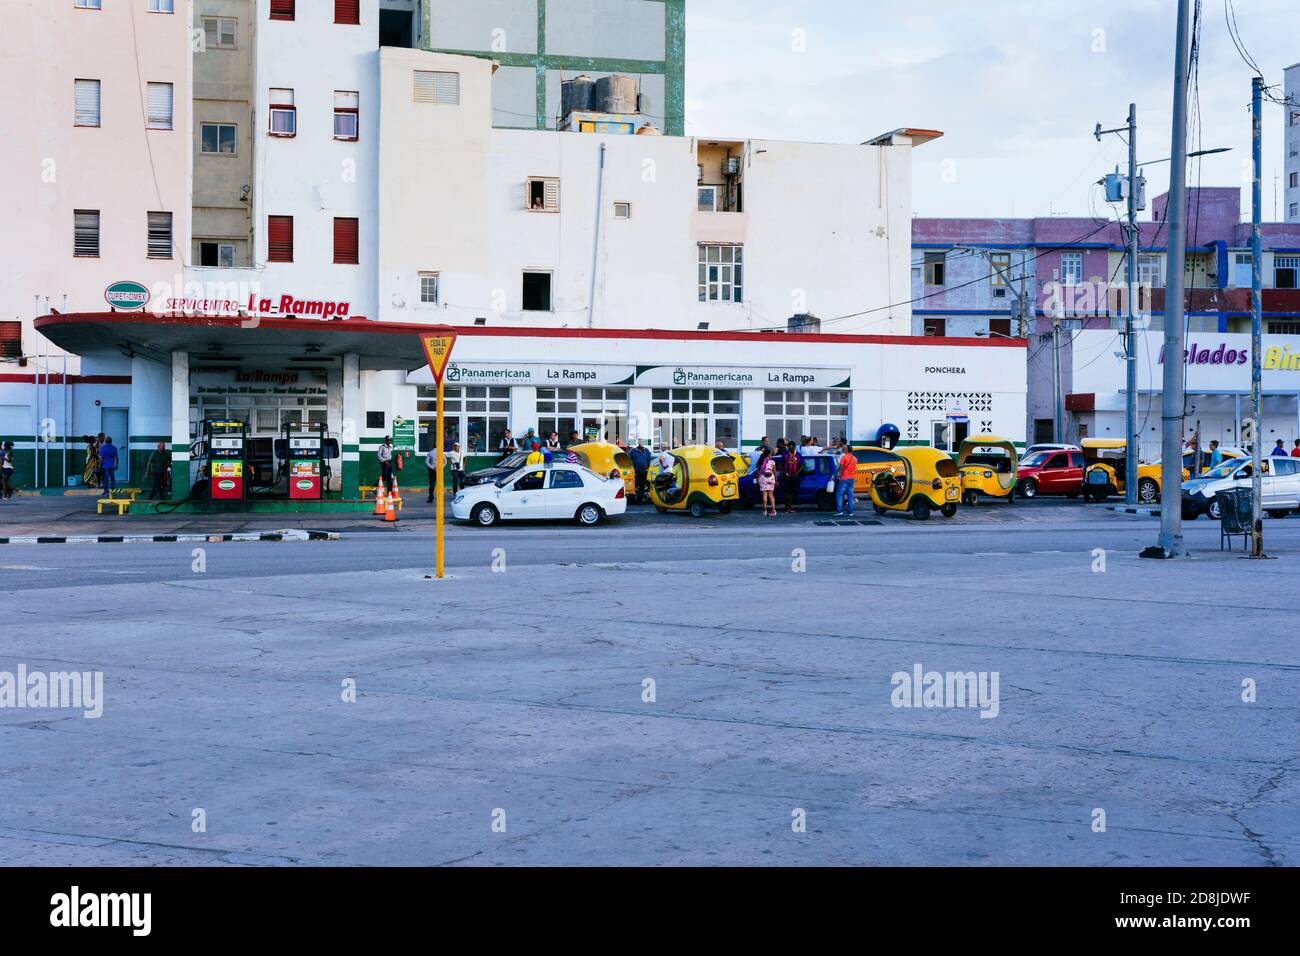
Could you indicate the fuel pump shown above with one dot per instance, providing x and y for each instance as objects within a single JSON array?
[
  {"x": 304, "y": 450},
  {"x": 227, "y": 444}
]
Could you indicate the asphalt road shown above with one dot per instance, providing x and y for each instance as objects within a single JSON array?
[{"x": 661, "y": 693}]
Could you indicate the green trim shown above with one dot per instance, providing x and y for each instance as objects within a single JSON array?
[
  {"x": 675, "y": 67},
  {"x": 539, "y": 71}
]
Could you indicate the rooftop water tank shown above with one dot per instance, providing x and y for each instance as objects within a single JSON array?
[
  {"x": 578, "y": 93},
  {"x": 616, "y": 94}
]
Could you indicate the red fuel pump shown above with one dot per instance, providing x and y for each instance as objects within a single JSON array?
[
  {"x": 304, "y": 451},
  {"x": 226, "y": 444}
]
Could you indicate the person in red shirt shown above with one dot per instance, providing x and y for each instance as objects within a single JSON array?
[
  {"x": 1295, "y": 452},
  {"x": 844, "y": 479}
]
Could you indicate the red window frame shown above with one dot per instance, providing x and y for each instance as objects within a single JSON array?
[
  {"x": 273, "y": 108},
  {"x": 347, "y": 12},
  {"x": 279, "y": 234},
  {"x": 347, "y": 247},
  {"x": 282, "y": 9}
]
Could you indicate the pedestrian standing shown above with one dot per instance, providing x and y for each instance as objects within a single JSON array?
[
  {"x": 385, "y": 456},
  {"x": 1279, "y": 450},
  {"x": 7, "y": 471},
  {"x": 1295, "y": 452},
  {"x": 431, "y": 468},
  {"x": 848, "y": 470},
  {"x": 766, "y": 472},
  {"x": 553, "y": 441},
  {"x": 108, "y": 466},
  {"x": 159, "y": 468},
  {"x": 507, "y": 444},
  {"x": 456, "y": 461},
  {"x": 640, "y": 456},
  {"x": 792, "y": 467},
  {"x": 90, "y": 474},
  {"x": 535, "y": 457}
]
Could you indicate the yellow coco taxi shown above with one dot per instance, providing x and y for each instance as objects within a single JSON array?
[
  {"x": 930, "y": 480},
  {"x": 609, "y": 461},
  {"x": 988, "y": 465},
  {"x": 698, "y": 480},
  {"x": 1103, "y": 471}
]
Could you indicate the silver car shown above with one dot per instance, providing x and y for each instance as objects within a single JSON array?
[{"x": 1280, "y": 483}]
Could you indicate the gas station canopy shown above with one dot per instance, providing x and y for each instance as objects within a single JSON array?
[{"x": 227, "y": 339}]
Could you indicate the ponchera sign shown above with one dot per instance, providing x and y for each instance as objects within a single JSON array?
[{"x": 127, "y": 295}]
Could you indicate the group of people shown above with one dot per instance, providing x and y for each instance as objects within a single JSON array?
[
  {"x": 102, "y": 460},
  {"x": 777, "y": 471}
]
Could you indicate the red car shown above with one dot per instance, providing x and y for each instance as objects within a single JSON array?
[{"x": 1050, "y": 473}]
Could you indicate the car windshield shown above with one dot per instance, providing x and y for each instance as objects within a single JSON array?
[
  {"x": 1223, "y": 469},
  {"x": 1036, "y": 459}
]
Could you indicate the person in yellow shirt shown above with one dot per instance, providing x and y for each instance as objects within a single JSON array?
[{"x": 535, "y": 457}]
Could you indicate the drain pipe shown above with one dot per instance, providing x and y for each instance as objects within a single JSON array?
[{"x": 595, "y": 245}]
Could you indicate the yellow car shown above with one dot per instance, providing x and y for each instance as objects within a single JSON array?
[
  {"x": 988, "y": 465},
  {"x": 1103, "y": 471},
  {"x": 930, "y": 480},
  {"x": 699, "y": 479},
  {"x": 872, "y": 461},
  {"x": 609, "y": 461}
]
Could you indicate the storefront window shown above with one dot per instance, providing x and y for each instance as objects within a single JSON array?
[
  {"x": 474, "y": 415},
  {"x": 821, "y": 413},
  {"x": 695, "y": 416},
  {"x": 265, "y": 414},
  {"x": 594, "y": 413}
]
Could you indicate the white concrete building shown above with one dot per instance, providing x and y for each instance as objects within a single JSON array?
[{"x": 1291, "y": 144}]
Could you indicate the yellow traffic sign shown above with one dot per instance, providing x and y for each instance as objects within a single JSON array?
[{"x": 437, "y": 348}]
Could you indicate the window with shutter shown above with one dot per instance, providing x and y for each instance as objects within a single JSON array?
[
  {"x": 85, "y": 232},
  {"x": 220, "y": 33},
  {"x": 160, "y": 105},
  {"x": 346, "y": 115},
  {"x": 347, "y": 11},
  {"x": 279, "y": 231},
  {"x": 86, "y": 95},
  {"x": 282, "y": 9},
  {"x": 160, "y": 235},
  {"x": 435, "y": 86},
  {"x": 345, "y": 242},
  {"x": 162, "y": 6},
  {"x": 543, "y": 194},
  {"x": 283, "y": 116},
  {"x": 11, "y": 340}
]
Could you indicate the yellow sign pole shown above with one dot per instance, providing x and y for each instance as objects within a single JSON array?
[
  {"x": 440, "y": 481},
  {"x": 437, "y": 349}
]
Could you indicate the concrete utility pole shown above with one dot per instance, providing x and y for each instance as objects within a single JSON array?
[
  {"x": 1256, "y": 320},
  {"x": 1058, "y": 399},
  {"x": 1171, "y": 460},
  {"x": 1130, "y": 338}
]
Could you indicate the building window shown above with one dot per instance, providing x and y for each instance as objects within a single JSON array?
[
  {"x": 160, "y": 235},
  {"x": 428, "y": 288},
  {"x": 622, "y": 210},
  {"x": 594, "y": 413},
  {"x": 999, "y": 269},
  {"x": 1293, "y": 180},
  {"x": 706, "y": 198},
  {"x": 1071, "y": 268},
  {"x": 162, "y": 6},
  {"x": 346, "y": 249},
  {"x": 347, "y": 12},
  {"x": 283, "y": 114},
  {"x": 85, "y": 233},
  {"x": 477, "y": 416},
  {"x": 823, "y": 414},
  {"x": 948, "y": 435},
  {"x": 160, "y": 105},
  {"x": 1000, "y": 328},
  {"x": 537, "y": 292},
  {"x": 220, "y": 33},
  {"x": 1242, "y": 270},
  {"x": 720, "y": 275},
  {"x": 87, "y": 4},
  {"x": 1148, "y": 271},
  {"x": 1286, "y": 270},
  {"x": 1294, "y": 149},
  {"x": 11, "y": 340},
  {"x": 217, "y": 138},
  {"x": 216, "y": 254},
  {"x": 1295, "y": 118},
  {"x": 347, "y": 121},
  {"x": 436, "y": 86},
  {"x": 935, "y": 268},
  {"x": 696, "y": 416},
  {"x": 543, "y": 194},
  {"x": 1283, "y": 328},
  {"x": 86, "y": 98},
  {"x": 1294, "y": 210},
  {"x": 934, "y": 328},
  {"x": 282, "y": 9},
  {"x": 279, "y": 232}
]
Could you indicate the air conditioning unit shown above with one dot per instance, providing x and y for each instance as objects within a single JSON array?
[
  {"x": 731, "y": 166},
  {"x": 999, "y": 293}
]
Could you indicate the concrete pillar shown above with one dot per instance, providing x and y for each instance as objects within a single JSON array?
[
  {"x": 180, "y": 425},
  {"x": 349, "y": 438}
]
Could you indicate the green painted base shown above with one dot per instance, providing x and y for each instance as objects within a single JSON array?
[{"x": 256, "y": 506}]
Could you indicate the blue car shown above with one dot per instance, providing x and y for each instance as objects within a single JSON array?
[{"x": 816, "y": 483}]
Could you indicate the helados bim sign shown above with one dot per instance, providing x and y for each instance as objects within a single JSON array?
[{"x": 127, "y": 296}]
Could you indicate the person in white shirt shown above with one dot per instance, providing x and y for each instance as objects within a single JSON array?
[
  {"x": 667, "y": 465},
  {"x": 456, "y": 461}
]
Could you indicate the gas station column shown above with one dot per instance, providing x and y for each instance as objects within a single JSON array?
[
  {"x": 180, "y": 428},
  {"x": 349, "y": 440}
]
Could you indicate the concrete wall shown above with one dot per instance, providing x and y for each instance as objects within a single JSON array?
[
  {"x": 1291, "y": 147},
  {"x": 120, "y": 168}
]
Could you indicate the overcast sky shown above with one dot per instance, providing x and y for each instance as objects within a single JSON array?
[{"x": 1016, "y": 87}]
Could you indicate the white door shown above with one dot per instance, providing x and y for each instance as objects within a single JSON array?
[
  {"x": 525, "y": 497},
  {"x": 565, "y": 492}
]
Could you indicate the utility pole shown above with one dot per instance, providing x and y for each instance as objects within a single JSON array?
[
  {"x": 1171, "y": 460},
  {"x": 1256, "y": 317},
  {"x": 1130, "y": 338},
  {"x": 1058, "y": 400}
]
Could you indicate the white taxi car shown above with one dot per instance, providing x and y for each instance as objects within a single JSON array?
[{"x": 556, "y": 490}]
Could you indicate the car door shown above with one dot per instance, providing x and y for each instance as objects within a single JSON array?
[
  {"x": 525, "y": 496},
  {"x": 565, "y": 490},
  {"x": 1287, "y": 479},
  {"x": 1051, "y": 479}
]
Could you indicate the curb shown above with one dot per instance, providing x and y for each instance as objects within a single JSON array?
[
  {"x": 292, "y": 535},
  {"x": 1140, "y": 510}
]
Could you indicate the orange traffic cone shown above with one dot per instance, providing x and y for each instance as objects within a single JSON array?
[
  {"x": 390, "y": 513},
  {"x": 397, "y": 491},
  {"x": 379, "y": 498}
]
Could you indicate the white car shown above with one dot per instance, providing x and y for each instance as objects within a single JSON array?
[
  {"x": 555, "y": 490},
  {"x": 1279, "y": 485},
  {"x": 1047, "y": 446}
]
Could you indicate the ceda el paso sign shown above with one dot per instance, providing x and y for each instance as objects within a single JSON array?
[{"x": 127, "y": 296}]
